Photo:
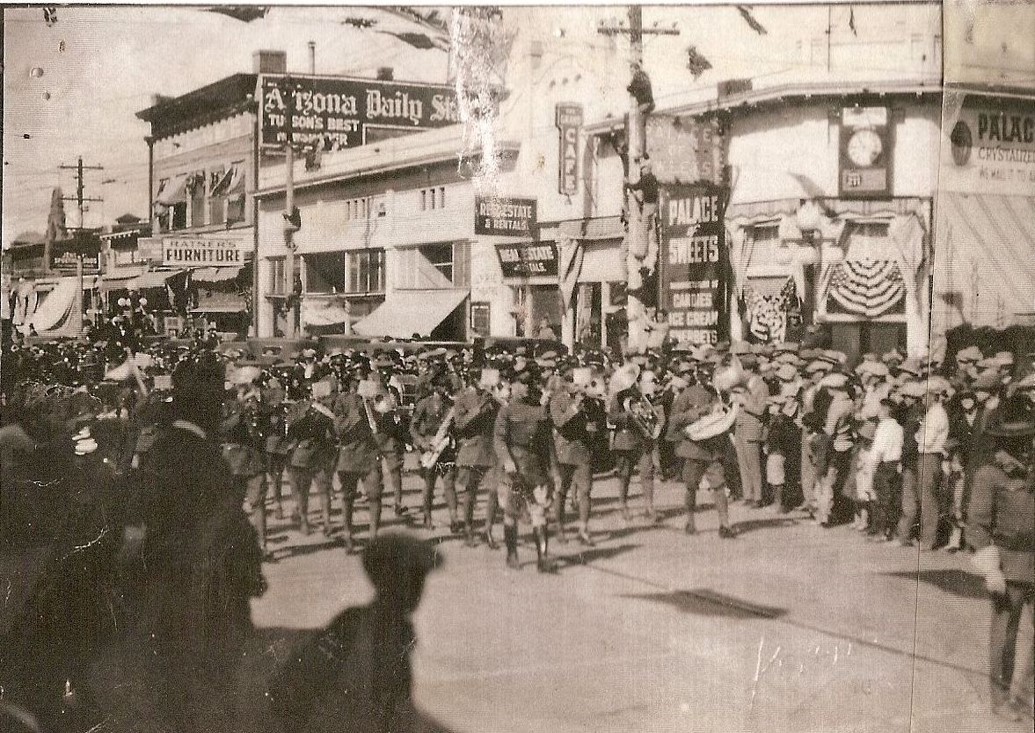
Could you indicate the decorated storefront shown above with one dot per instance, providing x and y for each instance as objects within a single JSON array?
[{"x": 859, "y": 269}]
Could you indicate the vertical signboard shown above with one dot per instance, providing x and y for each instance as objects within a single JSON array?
[
  {"x": 569, "y": 123},
  {"x": 694, "y": 263}
]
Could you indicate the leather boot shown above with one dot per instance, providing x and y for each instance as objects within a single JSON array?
[
  {"x": 510, "y": 539},
  {"x": 544, "y": 563},
  {"x": 469, "y": 539}
]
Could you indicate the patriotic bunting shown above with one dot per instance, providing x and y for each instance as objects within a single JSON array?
[
  {"x": 767, "y": 314},
  {"x": 866, "y": 287}
]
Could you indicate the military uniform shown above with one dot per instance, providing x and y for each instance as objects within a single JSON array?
[
  {"x": 576, "y": 426},
  {"x": 475, "y": 417},
  {"x": 312, "y": 459},
  {"x": 1002, "y": 515},
  {"x": 633, "y": 451},
  {"x": 428, "y": 416},
  {"x": 391, "y": 438},
  {"x": 701, "y": 459},
  {"x": 748, "y": 438},
  {"x": 357, "y": 459},
  {"x": 243, "y": 447},
  {"x": 522, "y": 435}
]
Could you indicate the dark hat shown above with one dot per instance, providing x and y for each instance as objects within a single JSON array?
[
  {"x": 1015, "y": 419},
  {"x": 394, "y": 558}
]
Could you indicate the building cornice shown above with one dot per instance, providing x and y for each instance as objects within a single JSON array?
[{"x": 781, "y": 93}]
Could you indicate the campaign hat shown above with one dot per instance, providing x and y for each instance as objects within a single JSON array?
[{"x": 786, "y": 373}]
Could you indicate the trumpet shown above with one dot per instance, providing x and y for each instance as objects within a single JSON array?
[{"x": 371, "y": 419}]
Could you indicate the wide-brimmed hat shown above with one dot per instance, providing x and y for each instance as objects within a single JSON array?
[{"x": 969, "y": 355}]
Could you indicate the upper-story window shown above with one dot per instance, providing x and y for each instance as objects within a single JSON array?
[
  {"x": 356, "y": 209},
  {"x": 432, "y": 198}
]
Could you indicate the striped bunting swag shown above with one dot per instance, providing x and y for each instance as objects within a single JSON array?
[{"x": 867, "y": 287}]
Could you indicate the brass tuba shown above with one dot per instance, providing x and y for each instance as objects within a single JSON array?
[{"x": 625, "y": 378}]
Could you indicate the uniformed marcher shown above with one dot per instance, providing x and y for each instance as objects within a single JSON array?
[
  {"x": 356, "y": 426},
  {"x": 638, "y": 423},
  {"x": 431, "y": 431},
  {"x": 702, "y": 459},
  {"x": 243, "y": 448},
  {"x": 521, "y": 438},
  {"x": 1001, "y": 528},
  {"x": 579, "y": 418},
  {"x": 475, "y": 417},
  {"x": 313, "y": 453}
]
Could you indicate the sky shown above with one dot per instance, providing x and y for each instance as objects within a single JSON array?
[
  {"x": 72, "y": 87},
  {"x": 97, "y": 67}
]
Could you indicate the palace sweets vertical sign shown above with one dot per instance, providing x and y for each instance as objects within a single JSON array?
[{"x": 694, "y": 263}]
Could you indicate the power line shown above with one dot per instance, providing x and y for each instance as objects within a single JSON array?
[{"x": 79, "y": 198}]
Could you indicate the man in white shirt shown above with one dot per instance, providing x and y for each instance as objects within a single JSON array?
[
  {"x": 930, "y": 440},
  {"x": 886, "y": 455}
]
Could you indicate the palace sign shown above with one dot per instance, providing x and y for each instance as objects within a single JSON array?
[
  {"x": 336, "y": 113},
  {"x": 694, "y": 262},
  {"x": 989, "y": 147},
  {"x": 197, "y": 252}
]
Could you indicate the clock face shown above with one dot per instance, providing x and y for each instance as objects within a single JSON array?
[{"x": 864, "y": 147}]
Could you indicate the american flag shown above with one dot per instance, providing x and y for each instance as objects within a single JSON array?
[{"x": 867, "y": 287}]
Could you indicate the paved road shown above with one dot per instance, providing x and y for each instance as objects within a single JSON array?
[{"x": 789, "y": 627}]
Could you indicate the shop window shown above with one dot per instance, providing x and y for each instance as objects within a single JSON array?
[
  {"x": 366, "y": 271},
  {"x": 767, "y": 232},
  {"x": 178, "y": 216},
  {"x": 481, "y": 321},
  {"x": 326, "y": 273},
  {"x": 441, "y": 258},
  {"x": 278, "y": 276}
]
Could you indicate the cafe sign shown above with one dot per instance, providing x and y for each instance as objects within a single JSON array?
[
  {"x": 509, "y": 217},
  {"x": 533, "y": 259},
  {"x": 569, "y": 123},
  {"x": 335, "y": 113},
  {"x": 198, "y": 252}
]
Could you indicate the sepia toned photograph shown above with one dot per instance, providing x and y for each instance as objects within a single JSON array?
[{"x": 518, "y": 368}]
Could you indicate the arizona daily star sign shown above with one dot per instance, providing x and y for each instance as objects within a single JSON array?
[
  {"x": 694, "y": 263},
  {"x": 339, "y": 113}
]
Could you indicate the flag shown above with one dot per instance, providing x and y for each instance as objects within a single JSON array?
[
  {"x": 696, "y": 62},
  {"x": 750, "y": 20},
  {"x": 867, "y": 287},
  {"x": 243, "y": 13},
  {"x": 420, "y": 41},
  {"x": 851, "y": 21}
]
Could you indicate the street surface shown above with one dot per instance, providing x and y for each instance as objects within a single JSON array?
[{"x": 788, "y": 627}]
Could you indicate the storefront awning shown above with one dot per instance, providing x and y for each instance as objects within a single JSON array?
[
  {"x": 588, "y": 230},
  {"x": 149, "y": 280},
  {"x": 221, "y": 303},
  {"x": 601, "y": 264},
  {"x": 985, "y": 264},
  {"x": 215, "y": 274},
  {"x": 117, "y": 282},
  {"x": 408, "y": 312},
  {"x": 175, "y": 192}
]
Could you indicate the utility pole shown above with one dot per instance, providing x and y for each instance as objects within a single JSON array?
[
  {"x": 636, "y": 245},
  {"x": 79, "y": 197},
  {"x": 290, "y": 221}
]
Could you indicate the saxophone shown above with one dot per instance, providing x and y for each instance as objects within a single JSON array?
[{"x": 439, "y": 443}]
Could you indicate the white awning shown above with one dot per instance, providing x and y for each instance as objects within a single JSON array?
[
  {"x": 601, "y": 264},
  {"x": 215, "y": 274},
  {"x": 51, "y": 313},
  {"x": 410, "y": 311}
]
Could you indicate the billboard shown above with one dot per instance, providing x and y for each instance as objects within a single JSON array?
[
  {"x": 200, "y": 252},
  {"x": 685, "y": 150},
  {"x": 335, "y": 113},
  {"x": 988, "y": 146},
  {"x": 694, "y": 263}
]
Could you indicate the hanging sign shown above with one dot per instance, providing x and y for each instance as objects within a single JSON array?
[
  {"x": 528, "y": 260},
  {"x": 569, "y": 123},
  {"x": 337, "y": 113},
  {"x": 508, "y": 217},
  {"x": 694, "y": 263}
]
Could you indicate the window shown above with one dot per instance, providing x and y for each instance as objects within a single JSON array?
[
  {"x": 429, "y": 266},
  {"x": 325, "y": 273},
  {"x": 366, "y": 270},
  {"x": 356, "y": 209},
  {"x": 432, "y": 198},
  {"x": 481, "y": 319},
  {"x": 178, "y": 216},
  {"x": 196, "y": 190},
  {"x": 766, "y": 232},
  {"x": 278, "y": 276}
]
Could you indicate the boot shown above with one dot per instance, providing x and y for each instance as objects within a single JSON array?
[
  {"x": 325, "y": 513},
  {"x": 375, "y": 516},
  {"x": 346, "y": 510},
  {"x": 469, "y": 539},
  {"x": 585, "y": 537},
  {"x": 544, "y": 563},
  {"x": 510, "y": 539},
  {"x": 489, "y": 539},
  {"x": 690, "y": 527},
  {"x": 426, "y": 522},
  {"x": 559, "y": 519}
]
